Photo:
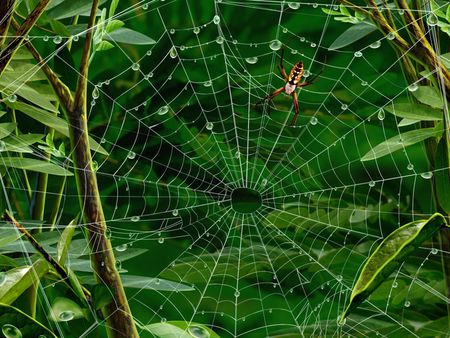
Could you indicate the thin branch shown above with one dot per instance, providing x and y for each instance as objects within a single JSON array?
[
  {"x": 80, "y": 92},
  {"x": 7, "y": 54}
]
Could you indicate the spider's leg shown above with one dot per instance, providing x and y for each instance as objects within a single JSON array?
[
  {"x": 297, "y": 110},
  {"x": 271, "y": 96},
  {"x": 281, "y": 67},
  {"x": 310, "y": 81}
]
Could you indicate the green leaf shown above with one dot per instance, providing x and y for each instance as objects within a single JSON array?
[
  {"x": 429, "y": 96},
  {"x": 64, "y": 242},
  {"x": 104, "y": 45},
  {"x": 442, "y": 175},
  {"x": 414, "y": 111},
  {"x": 114, "y": 25},
  {"x": 6, "y": 129},
  {"x": 401, "y": 141},
  {"x": 129, "y": 36},
  {"x": 101, "y": 296},
  {"x": 388, "y": 256},
  {"x": 179, "y": 329},
  {"x": 64, "y": 310},
  {"x": 352, "y": 34},
  {"x": 113, "y": 7},
  {"x": 330, "y": 11},
  {"x": 344, "y": 10},
  {"x": 53, "y": 121},
  {"x": 70, "y": 8},
  {"x": 76, "y": 287},
  {"x": 8, "y": 235},
  {"x": 143, "y": 282},
  {"x": 28, "y": 326},
  {"x": 407, "y": 122},
  {"x": 34, "y": 165},
  {"x": 22, "y": 142},
  {"x": 59, "y": 28},
  {"x": 18, "y": 280}
]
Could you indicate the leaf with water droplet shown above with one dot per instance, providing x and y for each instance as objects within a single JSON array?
[
  {"x": 352, "y": 34},
  {"x": 179, "y": 329},
  {"x": 389, "y": 255},
  {"x": 64, "y": 310},
  {"x": 407, "y": 139},
  {"x": 28, "y": 326}
]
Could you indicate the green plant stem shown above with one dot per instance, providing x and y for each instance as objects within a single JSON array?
[
  {"x": 57, "y": 204},
  {"x": 25, "y": 174},
  {"x": 7, "y": 54}
]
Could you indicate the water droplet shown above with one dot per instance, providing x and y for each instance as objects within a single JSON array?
[
  {"x": 198, "y": 331},
  {"x": 216, "y": 19},
  {"x": 313, "y": 45},
  {"x": 118, "y": 264},
  {"x": 302, "y": 39},
  {"x": 427, "y": 175},
  {"x": 76, "y": 38},
  {"x": 410, "y": 166},
  {"x": 306, "y": 73},
  {"x": 196, "y": 30},
  {"x": 10, "y": 331},
  {"x": 390, "y": 36},
  {"x": 163, "y": 110},
  {"x": 161, "y": 240},
  {"x": 67, "y": 315},
  {"x": 173, "y": 52},
  {"x": 344, "y": 107},
  {"x": 413, "y": 87},
  {"x": 364, "y": 83},
  {"x": 237, "y": 154},
  {"x": 339, "y": 278},
  {"x": 394, "y": 285},
  {"x": 57, "y": 39},
  {"x": 45, "y": 38},
  {"x": 293, "y": 5},
  {"x": 285, "y": 30},
  {"x": 135, "y": 66},
  {"x": 381, "y": 114},
  {"x": 375, "y": 45},
  {"x": 95, "y": 93},
  {"x": 175, "y": 212},
  {"x": 275, "y": 45},
  {"x": 407, "y": 303},
  {"x": 220, "y": 40},
  {"x": 315, "y": 5},
  {"x": 163, "y": 320},
  {"x": 157, "y": 281},
  {"x": 108, "y": 233},
  {"x": 209, "y": 126},
  {"x": 371, "y": 183},
  {"x": 434, "y": 251},
  {"x": 12, "y": 98},
  {"x": 172, "y": 31},
  {"x": 122, "y": 247},
  {"x": 145, "y": 6},
  {"x": 131, "y": 155},
  {"x": 135, "y": 218},
  {"x": 237, "y": 294},
  {"x": 313, "y": 120},
  {"x": 358, "y": 54},
  {"x": 432, "y": 20},
  {"x": 264, "y": 182},
  {"x": 207, "y": 83},
  {"x": 251, "y": 60}
]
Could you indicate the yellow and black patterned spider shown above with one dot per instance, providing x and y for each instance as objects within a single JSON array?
[{"x": 292, "y": 83}]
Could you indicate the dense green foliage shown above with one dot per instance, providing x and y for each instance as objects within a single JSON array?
[{"x": 177, "y": 124}]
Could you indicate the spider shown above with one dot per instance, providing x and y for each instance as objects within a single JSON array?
[{"x": 292, "y": 83}]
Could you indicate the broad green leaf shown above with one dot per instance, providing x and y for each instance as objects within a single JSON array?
[
  {"x": 55, "y": 122},
  {"x": 442, "y": 175},
  {"x": 401, "y": 141},
  {"x": 143, "y": 282},
  {"x": 65, "y": 240},
  {"x": 104, "y": 45},
  {"x": 27, "y": 326},
  {"x": 22, "y": 142},
  {"x": 129, "y": 36},
  {"x": 69, "y": 8},
  {"x": 6, "y": 129},
  {"x": 59, "y": 28},
  {"x": 18, "y": 280},
  {"x": 8, "y": 235},
  {"x": 415, "y": 111},
  {"x": 407, "y": 122},
  {"x": 446, "y": 59},
  {"x": 34, "y": 165},
  {"x": 429, "y": 96},
  {"x": 114, "y": 25},
  {"x": 354, "y": 33},
  {"x": 64, "y": 310},
  {"x": 23, "y": 90},
  {"x": 179, "y": 329},
  {"x": 388, "y": 256}
]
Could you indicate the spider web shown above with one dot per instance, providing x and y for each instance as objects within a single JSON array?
[{"x": 183, "y": 130}]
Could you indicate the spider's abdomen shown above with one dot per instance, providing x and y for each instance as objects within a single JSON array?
[{"x": 296, "y": 73}]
